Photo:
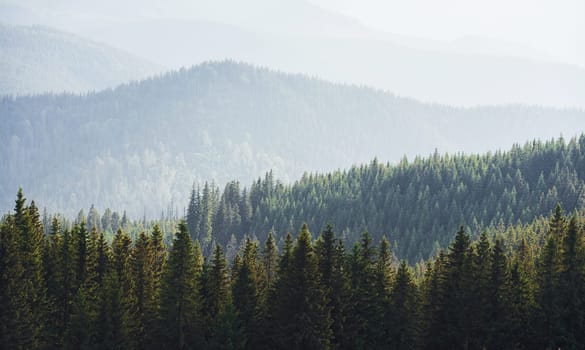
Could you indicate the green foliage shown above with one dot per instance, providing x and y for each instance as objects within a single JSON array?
[
  {"x": 179, "y": 297},
  {"x": 516, "y": 287},
  {"x": 417, "y": 205}
]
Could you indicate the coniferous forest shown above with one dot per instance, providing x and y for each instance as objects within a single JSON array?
[
  {"x": 292, "y": 175},
  {"x": 518, "y": 288}
]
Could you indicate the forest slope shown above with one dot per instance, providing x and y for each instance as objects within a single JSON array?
[
  {"x": 417, "y": 205},
  {"x": 142, "y": 145}
]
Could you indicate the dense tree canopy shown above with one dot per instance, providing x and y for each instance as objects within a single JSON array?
[
  {"x": 515, "y": 287},
  {"x": 417, "y": 205}
]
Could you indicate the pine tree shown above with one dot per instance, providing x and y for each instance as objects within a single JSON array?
[
  {"x": 549, "y": 268},
  {"x": 433, "y": 322},
  {"x": 157, "y": 259},
  {"x": 81, "y": 323},
  {"x": 458, "y": 284},
  {"x": 367, "y": 313},
  {"x": 194, "y": 213},
  {"x": 104, "y": 258},
  {"x": 273, "y": 305},
  {"x": 558, "y": 222},
  {"x": 303, "y": 318},
  {"x": 13, "y": 306},
  {"x": 383, "y": 284},
  {"x": 572, "y": 287},
  {"x": 53, "y": 279},
  {"x": 270, "y": 265},
  {"x": 29, "y": 236},
  {"x": 404, "y": 329},
  {"x": 206, "y": 207},
  {"x": 110, "y": 326},
  {"x": 523, "y": 308},
  {"x": 179, "y": 297},
  {"x": 499, "y": 300},
  {"x": 142, "y": 281},
  {"x": 121, "y": 253},
  {"x": 480, "y": 307},
  {"x": 330, "y": 254},
  {"x": 245, "y": 294},
  {"x": 68, "y": 286},
  {"x": 216, "y": 291},
  {"x": 228, "y": 329}
]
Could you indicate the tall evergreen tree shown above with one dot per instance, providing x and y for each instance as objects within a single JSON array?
[
  {"x": 331, "y": 256},
  {"x": 367, "y": 311},
  {"x": 303, "y": 319},
  {"x": 572, "y": 287},
  {"x": 457, "y": 287},
  {"x": 179, "y": 298},
  {"x": 245, "y": 294},
  {"x": 216, "y": 291},
  {"x": 404, "y": 329},
  {"x": 499, "y": 300},
  {"x": 194, "y": 213},
  {"x": 121, "y": 264},
  {"x": 14, "y": 309}
]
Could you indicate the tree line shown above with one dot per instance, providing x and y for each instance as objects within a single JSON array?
[
  {"x": 416, "y": 205},
  {"x": 142, "y": 144},
  {"x": 75, "y": 289}
]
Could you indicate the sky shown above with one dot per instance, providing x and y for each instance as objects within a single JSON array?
[
  {"x": 554, "y": 27},
  {"x": 550, "y": 29}
]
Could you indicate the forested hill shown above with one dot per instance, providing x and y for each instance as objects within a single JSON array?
[
  {"x": 417, "y": 205},
  {"x": 142, "y": 145},
  {"x": 36, "y": 59}
]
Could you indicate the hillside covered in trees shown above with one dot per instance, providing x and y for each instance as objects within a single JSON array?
[
  {"x": 517, "y": 288},
  {"x": 142, "y": 145},
  {"x": 417, "y": 205}
]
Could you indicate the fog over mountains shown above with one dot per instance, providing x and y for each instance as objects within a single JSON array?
[
  {"x": 40, "y": 59},
  {"x": 143, "y": 145},
  {"x": 350, "y": 93},
  {"x": 298, "y": 36}
]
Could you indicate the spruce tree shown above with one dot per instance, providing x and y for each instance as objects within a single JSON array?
[
  {"x": 13, "y": 306},
  {"x": 179, "y": 297},
  {"x": 404, "y": 329},
  {"x": 572, "y": 287},
  {"x": 245, "y": 294},
  {"x": 28, "y": 237},
  {"x": 303, "y": 317},
  {"x": 499, "y": 300},
  {"x": 366, "y": 313},
  {"x": 334, "y": 280},
  {"x": 457, "y": 287},
  {"x": 142, "y": 282},
  {"x": 216, "y": 291},
  {"x": 548, "y": 294},
  {"x": 121, "y": 254}
]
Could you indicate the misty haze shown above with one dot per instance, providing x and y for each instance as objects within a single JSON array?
[{"x": 295, "y": 174}]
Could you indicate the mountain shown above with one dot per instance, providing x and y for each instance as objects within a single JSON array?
[
  {"x": 145, "y": 143},
  {"x": 39, "y": 59},
  {"x": 474, "y": 78},
  {"x": 297, "y": 36}
]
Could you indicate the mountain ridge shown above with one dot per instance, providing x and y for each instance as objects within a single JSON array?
[
  {"x": 147, "y": 142},
  {"x": 37, "y": 59}
]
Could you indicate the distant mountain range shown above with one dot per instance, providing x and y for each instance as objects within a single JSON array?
[
  {"x": 39, "y": 59},
  {"x": 297, "y": 36},
  {"x": 143, "y": 144}
]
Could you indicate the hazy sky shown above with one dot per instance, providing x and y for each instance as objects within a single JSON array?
[
  {"x": 556, "y": 27},
  {"x": 552, "y": 29}
]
